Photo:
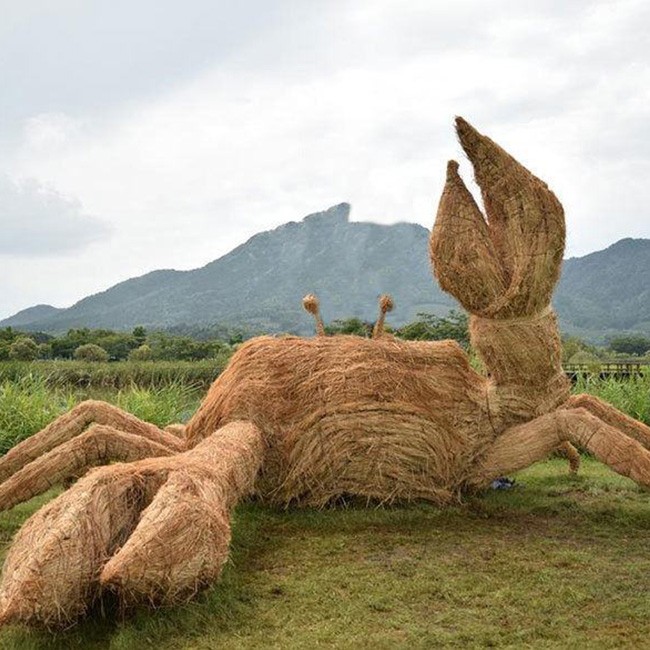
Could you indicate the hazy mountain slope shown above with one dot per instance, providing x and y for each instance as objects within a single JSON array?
[
  {"x": 29, "y": 315},
  {"x": 607, "y": 291},
  {"x": 261, "y": 282},
  {"x": 117, "y": 306}
]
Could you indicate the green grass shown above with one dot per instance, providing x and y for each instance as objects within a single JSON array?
[
  {"x": 29, "y": 403},
  {"x": 559, "y": 562},
  {"x": 116, "y": 374}
]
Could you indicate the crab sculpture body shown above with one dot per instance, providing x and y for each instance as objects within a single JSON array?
[{"x": 305, "y": 421}]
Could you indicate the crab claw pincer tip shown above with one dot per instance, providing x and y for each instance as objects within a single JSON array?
[
  {"x": 470, "y": 138},
  {"x": 452, "y": 170}
]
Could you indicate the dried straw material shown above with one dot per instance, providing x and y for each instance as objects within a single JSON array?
[
  {"x": 385, "y": 305},
  {"x": 49, "y": 575},
  {"x": 383, "y": 419},
  {"x": 611, "y": 416},
  {"x": 306, "y": 421},
  {"x": 175, "y": 510},
  {"x": 524, "y": 360},
  {"x": 311, "y": 305},
  {"x": 505, "y": 266},
  {"x": 99, "y": 445},
  {"x": 527, "y": 443},
  {"x": 75, "y": 422},
  {"x": 181, "y": 542}
]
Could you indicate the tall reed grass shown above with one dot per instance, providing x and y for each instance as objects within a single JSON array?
[
  {"x": 631, "y": 395},
  {"x": 116, "y": 375},
  {"x": 30, "y": 403}
]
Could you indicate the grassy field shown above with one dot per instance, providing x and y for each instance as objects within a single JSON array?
[
  {"x": 114, "y": 375},
  {"x": 558, "y": 562},
  {"x": 29, "y": 403}
]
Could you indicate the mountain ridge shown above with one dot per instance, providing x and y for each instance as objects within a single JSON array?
[{"x": 259, "y": 284}]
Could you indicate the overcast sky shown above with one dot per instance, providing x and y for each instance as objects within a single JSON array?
[{"x": 145, "y": 134}]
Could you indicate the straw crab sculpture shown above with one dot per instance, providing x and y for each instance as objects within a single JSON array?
[{"x": 304, "y": 421}]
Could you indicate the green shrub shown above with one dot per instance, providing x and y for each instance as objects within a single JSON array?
[
  {"x": 429, "y": 327},
  {"x": 90, "y": 352},
  {"x": 142, "y": 353},
  {"x": 44, "y": 351},
  {"x": 630, "y": 344},
  {"x": 23, "y": 349},
  {"x": 354, "y": 326}
]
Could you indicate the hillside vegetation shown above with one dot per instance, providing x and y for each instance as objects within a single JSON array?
[
  {"x": 606, "y": 292},
  {"x": 259, "y": 285}
]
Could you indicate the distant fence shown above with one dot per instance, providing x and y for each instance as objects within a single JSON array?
[{"x": 623, "y": 369}]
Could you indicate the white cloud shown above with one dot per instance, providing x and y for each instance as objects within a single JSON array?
[
  {"x": 35, "y": 220},
  {"x": 50, "y": 130}
]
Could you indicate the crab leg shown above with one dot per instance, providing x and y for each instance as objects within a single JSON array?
[
  {"x": 607, "y": 413},
  {"x": 153, "y": 530},
  {"x": 74, "y": 423},
  {"x": 98, "y": 445},
  {"x": 572, "y": 455},
  {"x": 533, "y": 441}
]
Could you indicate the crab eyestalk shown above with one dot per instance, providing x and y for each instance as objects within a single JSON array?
[
  {"x": 386, "y": 305},
  {"x": 311, "y": 305}
]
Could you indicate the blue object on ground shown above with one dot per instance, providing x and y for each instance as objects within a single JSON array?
[{"x": 502, "y": 483}]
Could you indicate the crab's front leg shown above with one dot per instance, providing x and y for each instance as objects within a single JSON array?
[
  {"x": 608, "y": 414},
  {"x": 92, "y": 433},
  {"x": 74, "y": 423},
  {"x": 155, "y": 530},
  {"x": 98, "y": 445},
  {"x": 525, "y": 444}
]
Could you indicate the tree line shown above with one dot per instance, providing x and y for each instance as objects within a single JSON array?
[{"x": 87, "y": 344}]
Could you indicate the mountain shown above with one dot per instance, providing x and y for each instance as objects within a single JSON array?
[
  {"x": 30, "y": 315},
  {"x": 606, "y": 292},
  {"x": 260, "y": 284}
]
